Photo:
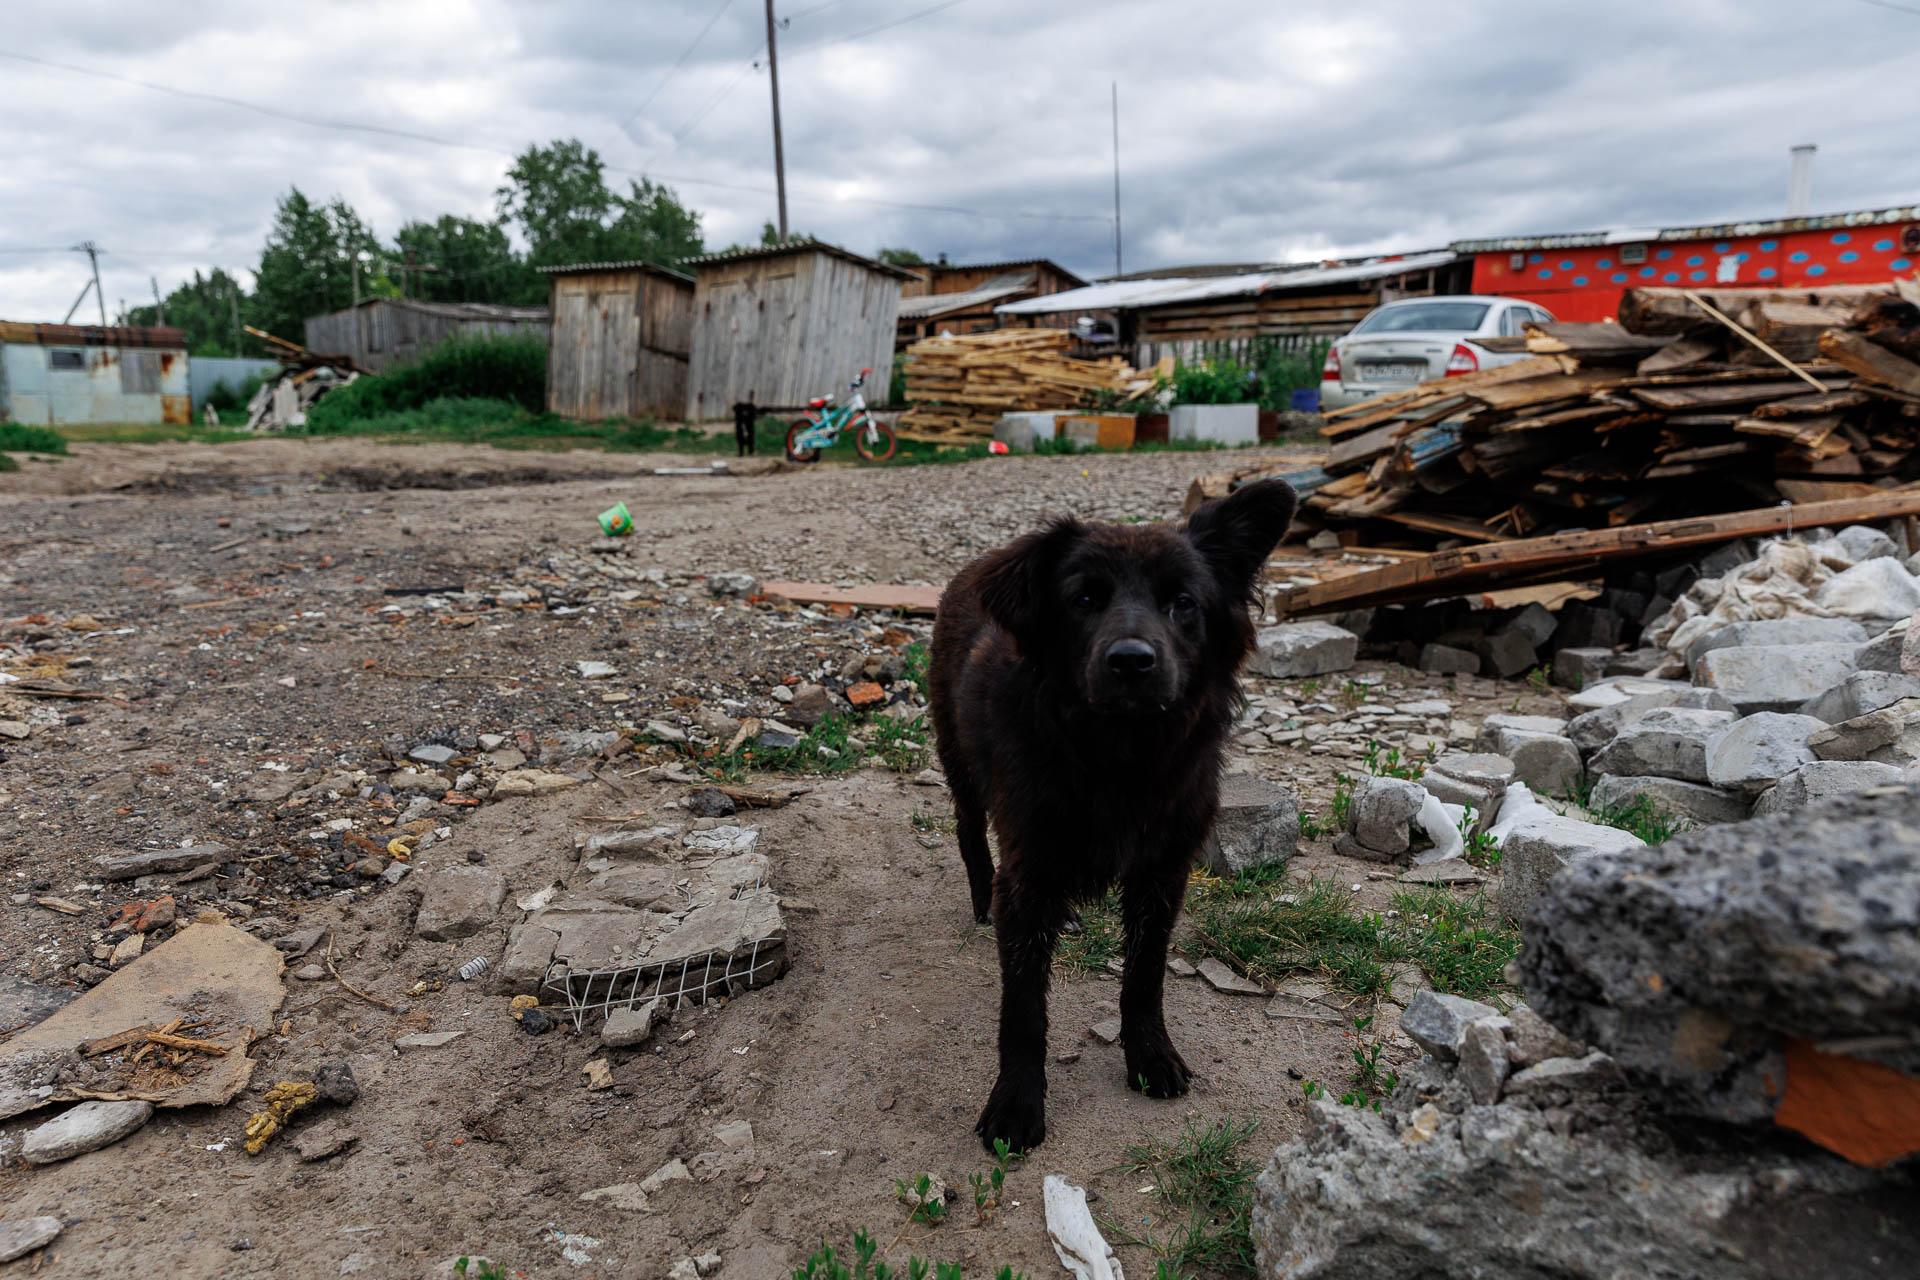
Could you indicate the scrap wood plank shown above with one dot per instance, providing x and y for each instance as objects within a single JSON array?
[
  {"x": 1356, "y": 417},
  {"x": 1452, "y": 526},
  {"x": 903, "y": 599},
  {"x": 1870, "y": 360},
  {"x": 1461, "y": 570}
]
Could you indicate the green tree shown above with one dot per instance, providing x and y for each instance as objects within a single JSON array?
[
  {"x": 472, "y": 261},
  {"x": 557, "y": 195},
  {"x": 900, "y": 257},
  {"x": 209, "y": 309},
  {"x": 306, "y": 268}
]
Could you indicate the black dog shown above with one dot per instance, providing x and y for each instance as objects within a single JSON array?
[{"x": 1083, "y": 686}]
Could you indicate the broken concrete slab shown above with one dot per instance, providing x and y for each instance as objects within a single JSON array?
[
  {"x": 1859, "y": 693},
  {"x": 1592, "y": 730},
  {"x": 328, "y": 1138},
  {"x": 1578, "y": 668},
  {"x": 1546, "y": 762},
  {"x": 626, "y": 1028},
  {"x": 1890, "y": 735},
  {"x": 1484, "y": 1064},
  {"x": 1792, "y": 928},
  {"x": 1438, "y": 1023},
  {"x": 427, "y": 1040},
  {"x": 21, "y": 1236},
  {"x": 533, "y": 782},
  {"x": 1775, "y": 677},
  {"x": 1382, "y": 812},
  {"x": 1534, "y": 854},
  {"x": 1691, "y": 801},
  {"x": 1258, "y": 826},
  {"x": 1505, "y": 654},
  {"x": 1226, "y": 981},
  {"x": 159, "y": 862},
  {"x": 1760, "y": 749},
  {"x": 84, "y": 1128},
  {"x": 1476, "y": 780},
  {"x": 459, "y": 902},
  {"x": 211, "y": 973},
  {"x": 1666, "y": 742},
  {"x": 24, "y": 1003},
  {"x": 1822, "y": 780},
  {"x": 1618, "y": 689},
  {"x": 1769, "y": 632},
  {"x": 1295, "y": 649}
]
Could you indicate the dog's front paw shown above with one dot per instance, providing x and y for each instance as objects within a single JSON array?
[
  {"x": 1157, "y": 1069},
  {"x": 1016, "y": 1113}
]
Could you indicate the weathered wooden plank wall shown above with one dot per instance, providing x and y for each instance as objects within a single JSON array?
[
  {"x": 620, "y": 344},
  {"x": 779, "y": 331},
  {"x": 391, "y": 331}
]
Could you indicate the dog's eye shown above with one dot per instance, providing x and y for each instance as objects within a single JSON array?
[
  {"x": 1184, "y": 603},
  {"x": 1085, "y": 600}
]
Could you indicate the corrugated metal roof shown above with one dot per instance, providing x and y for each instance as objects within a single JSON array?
[
  {"x": 1712, "y": 231},
  {"x": 147, "y": 337},
  {"x": 628, "y": 264},
  {"x": 939, "y": 304},
  {"x": 1001, "y": 266},
  {"x": 1133, "y": 294},
  {"x": 795, "y": 246}
]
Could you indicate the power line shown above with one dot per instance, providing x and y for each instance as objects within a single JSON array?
[
  {"x": 677, "y": 62},
  {"x": 874, "y": 31},
  {"x": 318, "y": 122},
  {"x": 1889, "y": 4}
]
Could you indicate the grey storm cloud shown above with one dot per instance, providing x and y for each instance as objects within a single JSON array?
[{"x": 1250, "y": 130}]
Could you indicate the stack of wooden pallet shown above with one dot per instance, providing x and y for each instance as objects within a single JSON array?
[
  {"x": 1698, "y": 402},
  {"x": 960, "y": 386}
]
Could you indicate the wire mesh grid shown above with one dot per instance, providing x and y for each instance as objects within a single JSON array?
[{"x": 693, "y": 980}]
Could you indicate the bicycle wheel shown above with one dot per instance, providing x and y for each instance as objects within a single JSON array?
[
  {"x": 794, "y": 432},
  {"x": 878, "y": 447}
]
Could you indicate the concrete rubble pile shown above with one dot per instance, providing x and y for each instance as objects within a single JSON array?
[{"x": 1714, "y": 1076}]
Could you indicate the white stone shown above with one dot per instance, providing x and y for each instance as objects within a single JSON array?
[
  {"x": 1757, "y": 751},
  {"x": 1295, "y": 649},
  {"x": 83, "y": 1128}
]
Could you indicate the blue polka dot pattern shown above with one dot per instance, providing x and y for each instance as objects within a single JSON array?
[
  {"x": 1545, "y": 273},
  {"x": 1816, "y": 270},
  {"x": 1722, "y": 247},
  {"x": 1841, "y": 237},
  {"x": 1663, "y": 253},
  {"x": 1534, "y": 257},
  {"x": 1768, "y": 246},
  {"x": 1671, "y": 277},
  {"x": 1580, "y": 281},
  {"x": 1619, "y": 277},
  {"x": 1849, "y": 256},
  {"x": 1741, "y": 256},
  {"x": 1695, "y": 260},
  {"x": 1901, "y": 264},
  {"x": 1566, "y": 264},
  {"x": 1603, "y": 264},
  {"x": 1646, "y": 273},
  {"x": 1768, "y": 273},
  {"x": 1883, "y": 246},
  {"x": 1800, "y": 256},
  {"x": 1696, "y": 275}
]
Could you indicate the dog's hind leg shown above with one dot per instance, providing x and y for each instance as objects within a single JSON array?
[
  {"x": 1150, "y": 901},
  {"x": 1026, "y": 923}
]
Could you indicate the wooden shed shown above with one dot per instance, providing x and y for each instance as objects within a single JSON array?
[
  {"x": 621, "y": 337},
  {"x": 779, "y": 325},
  {"x": 383, "y": 332}
]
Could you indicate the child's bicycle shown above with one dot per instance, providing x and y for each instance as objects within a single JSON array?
[{"x": 824, "y": 422}]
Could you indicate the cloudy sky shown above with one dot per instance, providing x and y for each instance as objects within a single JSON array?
[{"x": 1250, "y": 130}]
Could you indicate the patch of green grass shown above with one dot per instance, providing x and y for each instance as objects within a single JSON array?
[
  {"x": 1100, "y": 937},
  {"x": 1338, "y": 809},
  {"x": 504, "y": 369},
  {"x": 861, "y": 1262},
  {"x": 1205, "y": 1184},
  {"x": 8, "y": 464},
  {"x": 481, "y": 1270},
  {"x": 827, "y": 748},
  {"x": 1639, "y": 816},
  {"x": 151, "y": 433},
  {"x": 21, "y": 437},
  {"x": 1269, "y": 928},
  {"x": 915, "y": 661},
  {"x": 927, "y": 822},
  {"x": 1387, "y": 762}
]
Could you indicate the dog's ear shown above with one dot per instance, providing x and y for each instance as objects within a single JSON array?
[
  {"x": 1238, "y": 532},
  {"x": 1016, "y": 580}
]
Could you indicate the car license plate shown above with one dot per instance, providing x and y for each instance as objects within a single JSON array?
[{"x": 1394, "y": 371}]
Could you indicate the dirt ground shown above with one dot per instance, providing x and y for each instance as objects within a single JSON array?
[{"x": 294, "y": 608}]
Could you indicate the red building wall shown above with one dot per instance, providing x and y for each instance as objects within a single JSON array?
[{"x": 1587, "y": 283}]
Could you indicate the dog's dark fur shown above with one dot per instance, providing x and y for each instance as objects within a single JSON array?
[{"x": 1083, "y": 686}]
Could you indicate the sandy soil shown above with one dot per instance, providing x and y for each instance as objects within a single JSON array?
[{"x": 254, "y": 578}]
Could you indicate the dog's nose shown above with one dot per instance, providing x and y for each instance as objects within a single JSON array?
[{"x": 1130, "y": 657}]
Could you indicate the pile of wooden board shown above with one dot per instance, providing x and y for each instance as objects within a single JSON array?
[
  {"x": 1696, "y": 403},
  {"x": 960, "y": 386}
]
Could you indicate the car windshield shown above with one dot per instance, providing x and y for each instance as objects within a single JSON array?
[{"x": 1426, "y": 317}]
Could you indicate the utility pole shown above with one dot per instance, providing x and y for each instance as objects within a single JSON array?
[
  {"x": 92, "y": 251},
  {"x": 233, "y": 300},
  {"x": 1117, "y": 268},
  {"x": 159, "y": 307},
  {"x": 779, "y": 157}
]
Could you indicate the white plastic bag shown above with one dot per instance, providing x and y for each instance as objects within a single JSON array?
[{"x": 1081, "y": 1248}]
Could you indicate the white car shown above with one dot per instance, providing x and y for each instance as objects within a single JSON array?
[{"x": 1403, "y": 343}]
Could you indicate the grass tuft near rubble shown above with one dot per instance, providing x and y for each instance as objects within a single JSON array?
[
  {"x": 1270, "y": 927},
  {"x": 21, "y": 437},
  {"x": 1204, "y": 1182}
]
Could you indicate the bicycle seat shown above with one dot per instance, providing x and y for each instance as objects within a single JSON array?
[{"x": 818, "y": 402}]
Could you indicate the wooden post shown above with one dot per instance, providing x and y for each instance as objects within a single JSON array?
[{"x": 779, "y": 156}]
